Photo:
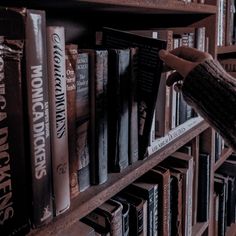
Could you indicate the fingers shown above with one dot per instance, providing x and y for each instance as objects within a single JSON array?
[
  {"x": 191, "y": 54},
  {"x": 173, "y": 78},
  {"x": 181, "y": 65}
]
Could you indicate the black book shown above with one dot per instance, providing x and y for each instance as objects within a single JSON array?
[
  {"x": 203, "y": 187},
  {"x": 118, "y": 113},
  {"x": 14, "y": 215},
  {"x": 148, "y": 76}
]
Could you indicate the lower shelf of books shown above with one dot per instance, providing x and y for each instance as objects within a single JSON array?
[{"x": 94, "y": 196}]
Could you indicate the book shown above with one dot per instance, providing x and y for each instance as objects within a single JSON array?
[
  {"x": 98, "y": 132},
  {"x": 162, "y": 176},
  {"x": 125, "y": 214},
  {"x": 133, "y": 108},
  {"x": 138, "y": 213},
  {"x": 82, "y": 120},
  {"x": 147, "y": 192},
  {"x": 58, "y": 116},
  {"x": 118, "y": 113},
  {"x": 13, "y": 191},
  {"x": 38, "y": 117},
  {"x": 98, "y": 221},
  {"x": 203, "y": 187},
  {"x": 148, "y": 76},
  {"x": 113, "y": 211},
  {"x": 71, "y": 58}
]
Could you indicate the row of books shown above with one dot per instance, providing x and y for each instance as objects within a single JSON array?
[
  {"x": 71, "y": 108},
  {"x": 226, "y": 22},
  {"x": 224, "y": 196},
  {"x": 164, "y": 201}
]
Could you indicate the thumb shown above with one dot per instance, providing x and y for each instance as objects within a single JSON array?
[{"x": 180, "y": 65}]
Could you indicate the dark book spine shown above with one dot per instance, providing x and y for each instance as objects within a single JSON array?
[
  {"x": 98, "y": 118},
  {"x": 71, "y": 57},
  {"x": 118, "y": 124},
  {"x": 13, "y": 198},
  {"x": 133, "y": 107},
  {"x": 82, "y": 120},
  {"x": 203, "y": 187},
  {"x": 38, "y": 115}
]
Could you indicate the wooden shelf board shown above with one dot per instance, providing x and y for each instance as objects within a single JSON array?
[
  {"x": 96, "y": 195},
  {"x": 141, "y": 6},
  {"x": 199, "y": 228},
  {"x": 225, "y": 154},
  {"x": 226, "y": 49}
]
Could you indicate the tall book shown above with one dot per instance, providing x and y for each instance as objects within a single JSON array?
[
  {"x": 148, "y": 76},
  {"x": 13, "y": 192},
  {"x": 82, "y": 120},
  {"x": 38, "y": 116},
  {"x": 71, "y": 58},
  {"x": 203, "y": 187},
  {"x": 98, "y": 148},
  {"x": 118, "y": 114},
  {"x": 58, "y": 115},
  {"x": 133, "y": 107},
  {"x": 146, "y": 191}
]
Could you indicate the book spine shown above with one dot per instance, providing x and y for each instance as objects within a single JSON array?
[
  {"x": 38, "y": 110},
  {"x": 133, "y": 108},
  {"x": 58, "y": 114},
  {"x": 71, "y": 57},
  {"x": 118, "y": 126},
  {"x": 82, "y": 120},
  {"x": 14, "y": 216},
  {"x": 98, "y": 103}
]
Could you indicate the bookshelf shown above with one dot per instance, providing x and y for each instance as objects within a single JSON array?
[{"x": 183, "y": 14}]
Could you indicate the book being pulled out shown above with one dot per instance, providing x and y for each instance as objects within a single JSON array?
[{"x": 149, "y": 68}]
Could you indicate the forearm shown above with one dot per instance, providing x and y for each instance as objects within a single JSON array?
[{"x": 212, "y": 92}]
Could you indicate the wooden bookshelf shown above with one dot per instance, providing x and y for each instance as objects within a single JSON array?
[
  {"x": 96, "y": 195},
  {"x": 225, "y": 154},
  {"x": 191, "y": 15},
  {"x": 137, "y": 6},
  {"x": 226, "y": 49}
]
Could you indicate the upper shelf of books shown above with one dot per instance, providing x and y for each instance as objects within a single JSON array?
[
  {"x": 226, "y": 49},
  {"x": 142, "y": 6}
]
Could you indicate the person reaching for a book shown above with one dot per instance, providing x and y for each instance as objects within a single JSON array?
[{"x": 206, "y": 86}]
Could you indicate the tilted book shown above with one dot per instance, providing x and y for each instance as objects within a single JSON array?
[
  {"x": 58, "y": 117},
  {"x": 148, "y": 76},
  {"x": 38, "y": 116},
  {"x": 14, "y": 218},
  {"x": 71, "y": 58}
]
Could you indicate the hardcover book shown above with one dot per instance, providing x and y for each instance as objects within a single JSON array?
[
  {"x": 38, "y": 117},
  {"x": 98, "y": 149},
  {"x": 71, "y": 58},
  {"x": 14, "y": 203},
  {"x": 82, "y": 120},
  {"x": 58, "y": 117},
  {"x": 118, "y": 113},
  {"x": 148, "y": 76}
]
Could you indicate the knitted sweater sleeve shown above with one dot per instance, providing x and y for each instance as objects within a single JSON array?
[{"x": 212, "y": 93}]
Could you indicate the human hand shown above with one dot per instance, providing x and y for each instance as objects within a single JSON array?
[{"x": 183, "y": 60}]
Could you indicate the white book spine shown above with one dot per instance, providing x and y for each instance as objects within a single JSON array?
[
  {"x": 58, "y": 113},
  {"x": 173, "y": 134}
]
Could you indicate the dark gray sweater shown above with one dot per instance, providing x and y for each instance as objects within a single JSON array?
[{"x": 212, "y": 92}]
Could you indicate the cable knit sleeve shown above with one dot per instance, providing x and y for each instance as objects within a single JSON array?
[{"x": 212, "y": 92}]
